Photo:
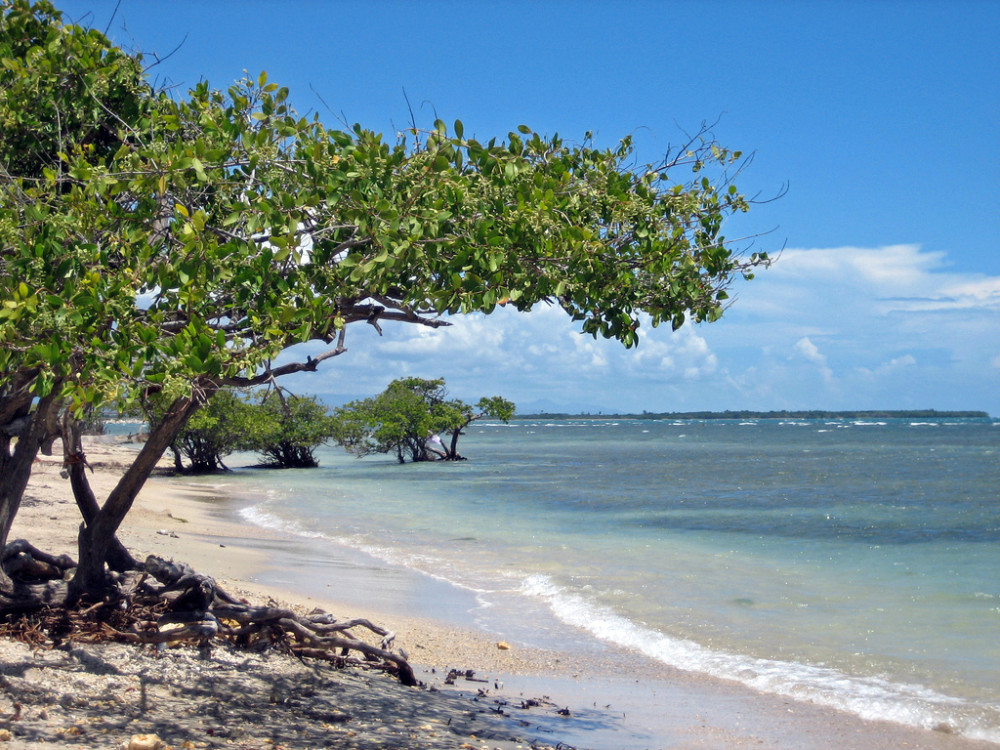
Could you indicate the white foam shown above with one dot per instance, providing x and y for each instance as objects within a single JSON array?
[
  {"x": 422, "y": 564},
  {"x": 258, "y": 516},
  {"x": 870, "y": 697}
]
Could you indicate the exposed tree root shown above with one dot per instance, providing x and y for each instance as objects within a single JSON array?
[
  {"x": 22, "y": 559},
  {"x": 167, "y": 603}
]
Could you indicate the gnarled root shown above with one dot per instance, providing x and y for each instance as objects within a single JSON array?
[
  {"x": 22, "y": 559},
  {"x": 200, "y": 610},
  {"x": 168, "y": 602}
]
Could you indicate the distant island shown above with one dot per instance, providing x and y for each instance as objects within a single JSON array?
[{"x": 814, "y": 414}]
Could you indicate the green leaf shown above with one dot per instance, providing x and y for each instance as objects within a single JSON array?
[{"x": 199, "y": 169}]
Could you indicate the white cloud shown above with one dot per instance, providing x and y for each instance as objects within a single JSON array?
[
  {"x": 808, "y": 350},
  {"x": 894, "y": 267},
  {"x": 899, "y": 363},
  {"x": 893, "y": 366},
  {"x": 836, "y": 328},
  {"x": 978, "y": 293},
  {"x": 669, "y": 354},
  {"x": 897, "y": 325}
]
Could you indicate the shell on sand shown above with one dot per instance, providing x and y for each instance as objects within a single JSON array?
[{"x": 143, "y": 742}]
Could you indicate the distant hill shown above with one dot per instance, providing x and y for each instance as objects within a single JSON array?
[{"x": 814, "y": 414}]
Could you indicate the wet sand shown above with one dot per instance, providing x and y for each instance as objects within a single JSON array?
[{"x": 613, "y": 699}]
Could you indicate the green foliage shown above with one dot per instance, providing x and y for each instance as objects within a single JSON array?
[
  {"x": 64, "y": 95},
  {"x": 182, "y": 244},
  {"x": 223, "y": 425},
  {"x": 67, "y": 90},
  {"x": 289, "y": 430},
  {"x": 404, "y": 417},
  {"x": 496, "y": 407},
  {"x": 283, "y": 429}
]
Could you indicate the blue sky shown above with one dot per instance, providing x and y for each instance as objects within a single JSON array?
[{"x": 882, "y": 119}]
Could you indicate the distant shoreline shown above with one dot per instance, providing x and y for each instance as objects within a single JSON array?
[{"x": 809, "y": 414}]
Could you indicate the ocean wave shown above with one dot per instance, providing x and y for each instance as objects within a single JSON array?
[
  {"x": 258, "y": 516},
  {"x": 869, "y": 697},
  {"x": 426, "y": 565}
]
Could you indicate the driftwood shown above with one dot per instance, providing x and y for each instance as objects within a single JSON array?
[
  {"x": 21, "y": 557},
  {"x": 203, "y": 610},
  {"x": 167, "y": 602}
]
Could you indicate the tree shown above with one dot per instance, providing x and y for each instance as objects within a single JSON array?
[
  {"x": 283, "y": 429},
  {"x": 407, "y": 417},
  {"x": 399, "y": 420},
  {"x": 225, "y": 424},
  {"x": 494, "y": 407},
  {"x": 63, "y": 93},
  {"x": 177, "y": 246},
  {"x": 289, "y": 430}
]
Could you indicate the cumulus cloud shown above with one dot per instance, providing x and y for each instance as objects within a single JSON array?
[
  {"x": 850, "y": 327},
  {"x": 896, "y": 324},
  {"x": 809, "y": 351},
  {"x": 892, "y": 267},
  {"x": 893, "y": 366},
  {"x": 670, "y": 354}
]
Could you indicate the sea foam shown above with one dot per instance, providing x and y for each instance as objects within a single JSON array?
[{"x": 873, "y": 698}]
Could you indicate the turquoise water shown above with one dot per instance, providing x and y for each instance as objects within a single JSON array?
[{"x": 849, "y": 563}]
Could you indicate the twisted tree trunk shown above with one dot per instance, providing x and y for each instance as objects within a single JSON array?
[
  {"x": 75, "y": 460},
  {"x": 31, "y": 428},
  {"x": 96, "y": 538}
]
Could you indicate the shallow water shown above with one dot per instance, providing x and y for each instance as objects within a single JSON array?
[{"x": 850, "y": 563}]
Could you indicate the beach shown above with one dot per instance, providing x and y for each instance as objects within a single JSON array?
[{"x": 101, "y": 696}]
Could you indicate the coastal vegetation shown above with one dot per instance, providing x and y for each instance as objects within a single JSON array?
[
  {"x": 283, "y": 429},
  {"x": 409, "y": 417},
  {"x": 167, "y": 245},
  {"x": 289, "y": 429},
  {"x": 219, "y": 428}
]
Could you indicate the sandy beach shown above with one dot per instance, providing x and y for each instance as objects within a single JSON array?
[{"x": 91, "y": 696}]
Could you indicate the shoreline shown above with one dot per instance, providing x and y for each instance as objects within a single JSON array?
[{"x": 615, "y": 700}]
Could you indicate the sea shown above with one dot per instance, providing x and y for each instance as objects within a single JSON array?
[{"x": 851, "y": 563}]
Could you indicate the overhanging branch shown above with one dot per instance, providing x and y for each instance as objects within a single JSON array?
[{"x": 271, "y": 373}]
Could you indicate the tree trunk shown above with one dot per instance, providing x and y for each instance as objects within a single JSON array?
[
  {"x": 15, "y": 467},
  {"x": 178, "y": 463},
  {"x": 119, "y": 558},
  {"x": 453, "y": 454},
  {"x": 453, "y": 449},
  {"x": 95, "y": 538}
]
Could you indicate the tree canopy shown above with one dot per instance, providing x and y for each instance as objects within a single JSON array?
[
  {"x": 177, "y": 244},
  {"x": 283, "y": 429},
  {"x": 409, "y": 417},
  {"x": 223, "y": 425},
  {"x": 289, "y": 428}
]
